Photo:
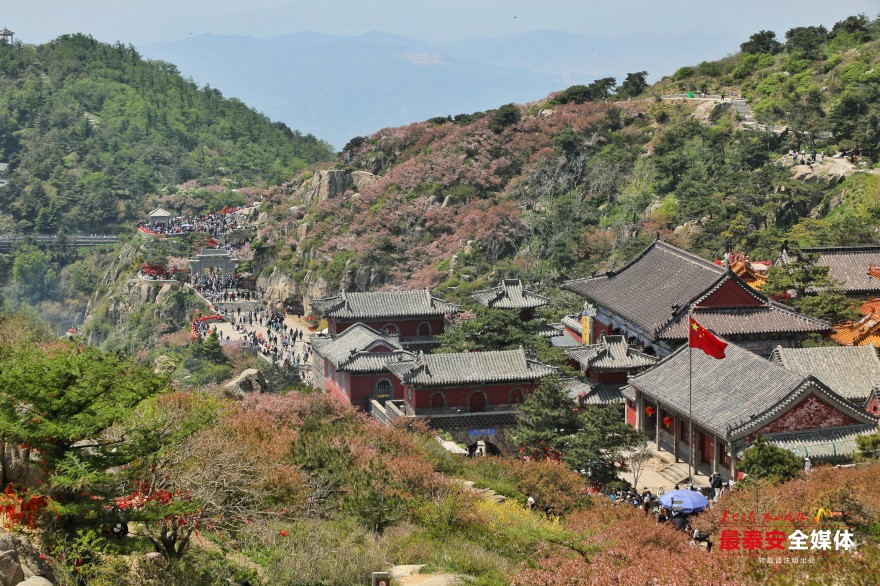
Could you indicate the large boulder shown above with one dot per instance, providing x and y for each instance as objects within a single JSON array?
[
  {"x": 35, "y": 581},
  {"x": 10, "y": 566},
  {"x": 249, "y": 381},
  {"x": 20, "y": 563}
]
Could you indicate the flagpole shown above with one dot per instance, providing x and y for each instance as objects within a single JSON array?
[{"x": 690, "y": 399}]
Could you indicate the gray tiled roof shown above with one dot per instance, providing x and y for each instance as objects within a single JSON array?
[
  {"x": 564, "y": 341},
  {"x": 586, "y": 393},
  {"x": 368, "y": 362},
  {"x": 468, "y": 368},
  {"x": 732, "y": 395},
  {"x": 822, "y": 444},
  {"x": 644, "y": 291},
  {"x": 352, "y": 349},
  {"x": 849, "y": 265},
  {"x": 771, "y": 318},
  {"x": 384, "y": 304},
  {"x": 546, "y": 330},
  {"x": 610, "y": 353},
  {"x": 159, "y": 212},
  {"x": 852, "y": 371},
  {"x": 573, "y": 323},
  {"x": 575, "y": 387},
  {"x": 509, "y": 294}
]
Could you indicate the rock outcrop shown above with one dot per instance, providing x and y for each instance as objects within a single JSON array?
[
  {"x": 21, "y": 564},
  {"x": 136, "y": 293},
  {"x": 283, "y": 290},
  {"x": 249, "y": 381},
  {"x": 327, "y": 184},
  {"x": 829, "y": 172}
]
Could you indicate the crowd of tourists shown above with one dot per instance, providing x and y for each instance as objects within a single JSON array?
[
  {"x": 806, "y": 158},
  {"x": 217, "y": 224},
  {"x": 225, "y": 287},
  {"x": 284, "y": 345},
  {"x": 649, "y": 503}
]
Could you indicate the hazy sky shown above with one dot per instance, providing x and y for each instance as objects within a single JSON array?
[{"x": 146, "y": 21}]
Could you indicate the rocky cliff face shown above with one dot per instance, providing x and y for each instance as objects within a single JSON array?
[
  {"x": 282, "y": 290},
  {"x": 327, "y": 184},
  {"x": 137, "y": 293}
]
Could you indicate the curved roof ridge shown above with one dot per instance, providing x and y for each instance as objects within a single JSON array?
[{"x": 695, "y": 258}]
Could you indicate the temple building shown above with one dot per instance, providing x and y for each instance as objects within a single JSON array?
[
  {"x": 648, "y": 301},
  {"x": 468, "y": 382},
  {"x": 854, "y": 267},
  {"x": 862, "y": 332},
  {"x": 415, "y": 316},
  {"x": 610, "y": 360},
  {"x": 605, "y": 366},
  {"x": 732, "y": 400},
  {"x": 754, "y": 274},
  {"x": 511, "y": 294},
  {"x": 852, "y": 372},
  {"x": 352, "y": 365},
  {"x": 160, "y": 216}
]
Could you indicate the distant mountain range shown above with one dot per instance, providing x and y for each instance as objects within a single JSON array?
[{"x": 338, "y": 87}]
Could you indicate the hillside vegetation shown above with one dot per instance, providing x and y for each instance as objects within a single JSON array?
[
  {"x": 131, "y": 481},
  {"x": 134, "y": 467},
  {"x": 580, "y": 181},
  {"x": 90, "y": 129}
]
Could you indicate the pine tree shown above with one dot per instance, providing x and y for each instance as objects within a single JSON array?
[
  {"x": 547, "y": 418},
  {"x": 601, "y": 438},
  {"x": 764, "y": 460}
]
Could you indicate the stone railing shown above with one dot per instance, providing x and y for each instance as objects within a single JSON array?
[
  {"x": 393, "y": 410},
  {"x": 9, "y": 242}
]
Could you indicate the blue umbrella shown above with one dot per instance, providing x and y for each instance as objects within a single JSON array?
[{"x": 686, "y": 501}]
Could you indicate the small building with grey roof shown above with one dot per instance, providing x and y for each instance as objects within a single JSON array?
[
  {"x": 605, "y": 367},
  {"x": 511, "y": 294},
  {"x": 469, "y": 382},
  {"x": 417, "y": 317},
  {"x": 475, "y": 396},
  {"x": 352, "y": 365}
]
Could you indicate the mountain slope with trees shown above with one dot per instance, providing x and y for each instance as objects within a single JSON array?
[
  {"x": 578, "y": 182},
  {"x": 89, "y": 129}
]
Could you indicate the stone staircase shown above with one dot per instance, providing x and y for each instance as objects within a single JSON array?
[
  {"x": 676, "y": 472},
  {"x": 745, "y": 113}
]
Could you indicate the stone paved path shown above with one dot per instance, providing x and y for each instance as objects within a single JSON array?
[
  {"x": 408, "y": 576},
  {"x": 226, "y": 328}
]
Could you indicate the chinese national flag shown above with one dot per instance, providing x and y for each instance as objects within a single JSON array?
[{"x": 703, "y": 339}]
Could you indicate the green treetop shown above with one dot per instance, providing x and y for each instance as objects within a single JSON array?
[
  {"x": 764, "y": 460},
  {"x": 60, "y": 401}
]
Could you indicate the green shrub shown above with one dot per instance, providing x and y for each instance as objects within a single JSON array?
[
  {"x": 831, "y": 63},
  {"x": 683, "y": 73},
  {"x": 337, "y": 553},
  {"x": 709, "y": 68},
  {"x": 797, "y": 65},
  {"x": 506, "y": 116}
]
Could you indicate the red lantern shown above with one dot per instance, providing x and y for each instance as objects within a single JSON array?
[
  {"x": 667, "y": 421},
  {"x": 650, "y": 411}
]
